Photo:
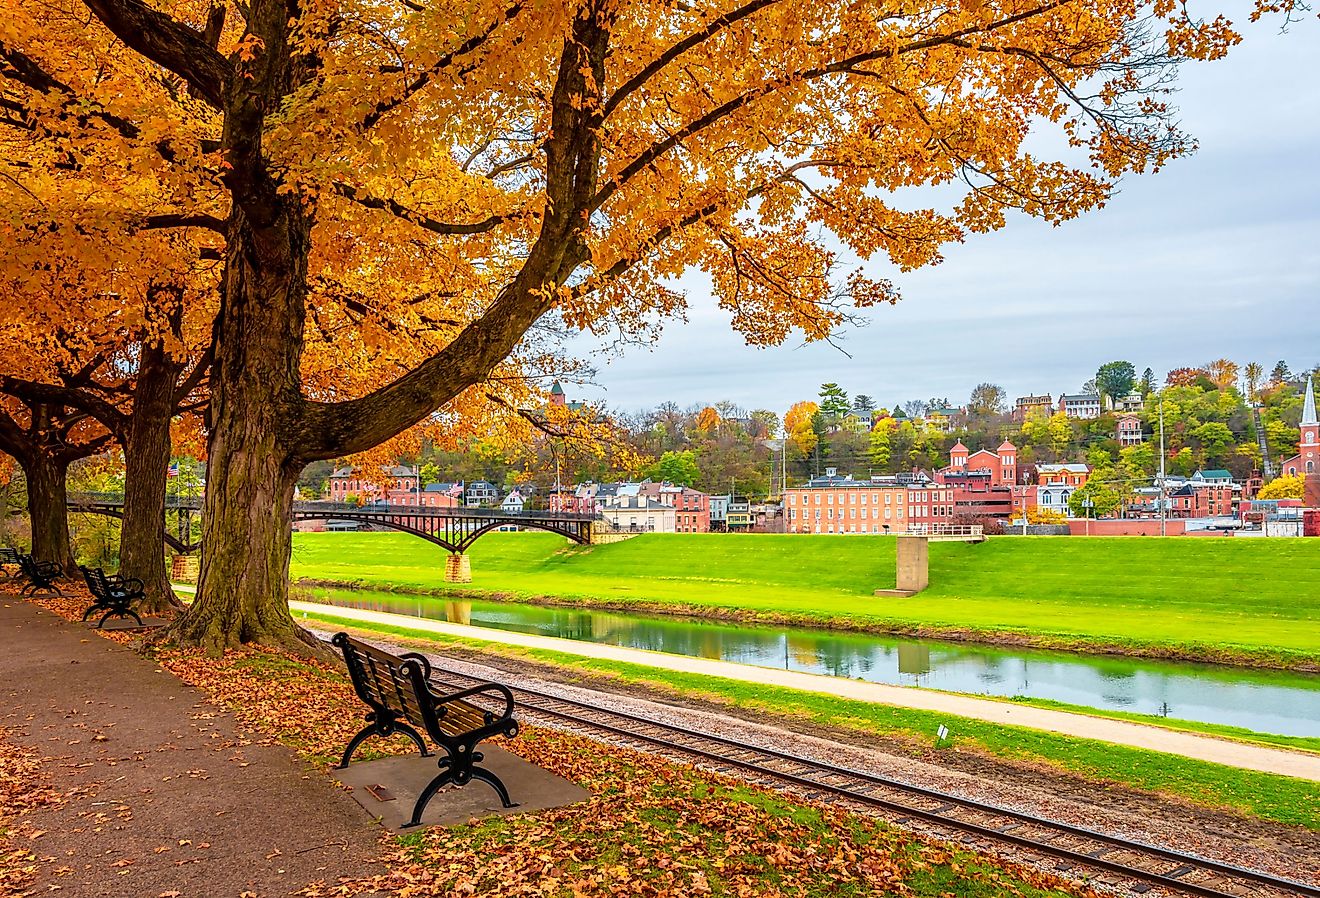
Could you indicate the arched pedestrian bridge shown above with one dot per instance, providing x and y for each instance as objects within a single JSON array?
[{"x": 453, "y": 529}]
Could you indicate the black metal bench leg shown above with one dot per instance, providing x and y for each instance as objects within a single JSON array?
[
  {"x": 370, "y": 730},
  {"x": 414, "y": 736},
  {"x": 486, "y": 776},
  {"x": 88, "y": 612},
  {"x": 446, "y": 776}
]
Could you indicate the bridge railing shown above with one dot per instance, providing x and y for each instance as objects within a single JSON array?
[
  {"x": 385, "y": 509},
  {"x": 189, "y": 502},
  {"x": 939, "y": 529}
]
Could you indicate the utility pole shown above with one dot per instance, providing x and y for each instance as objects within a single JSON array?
[
  {"x": 783, "y": 468},
  {"x": 1164, "y": 505}
]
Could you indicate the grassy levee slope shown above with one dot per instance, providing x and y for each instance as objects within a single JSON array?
[{"x": 1245, "y": 600}]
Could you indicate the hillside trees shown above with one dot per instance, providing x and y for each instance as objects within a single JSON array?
[
  {"x": 483, "y": 164},
  {"x": 834, "y": 403},
  {"x": 1115, "y": 380},
  {"x": 675, "y": 467}
]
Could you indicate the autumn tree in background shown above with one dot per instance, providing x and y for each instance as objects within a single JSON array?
[
  {"x": 131, "y": 352},
  {"x": 44, "y": 438},
  {"x": 1223, "y": 372},
  {"x": 1253, "y": 377},
  {"x": 1287, "y": 486},
  {"x": 987, "y": 399},
  {"x": 484, "y": 164},
  {"x": 798, "y": 426},
  {"x": 1184, "y": 377}
]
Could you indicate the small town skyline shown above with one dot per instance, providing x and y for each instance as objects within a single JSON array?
[{"x": 888, "y": 395}]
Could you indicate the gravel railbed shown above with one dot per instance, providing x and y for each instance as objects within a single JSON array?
[{"x": 1291, "y": 853}]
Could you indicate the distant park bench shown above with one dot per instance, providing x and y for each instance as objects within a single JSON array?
[
  {"x": 114, "y": 595},
  {"x": 9, "y": 556},
  {"x": 399, "y": 693},
  {"x": 40, "y": 574}
]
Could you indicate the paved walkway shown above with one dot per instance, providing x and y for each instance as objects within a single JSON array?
[
  {"x": 1204, "y": 748},
  {"x": 165, "y": 794}
]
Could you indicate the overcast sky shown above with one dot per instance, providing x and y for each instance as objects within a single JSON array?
[{"x": 1217, "y": 255}]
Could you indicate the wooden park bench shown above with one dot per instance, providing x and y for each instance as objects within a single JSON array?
[
  {"x": 114, "y": 595},
  {"x": 9, "y": 557},
  {"x": 399, "y": 693},
  {"x": 40, "y": 574}
]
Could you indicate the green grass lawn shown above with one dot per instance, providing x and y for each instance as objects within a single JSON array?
[
  {"x": 1268, "y": 796},
  {"x": 1246, "y": 600}
]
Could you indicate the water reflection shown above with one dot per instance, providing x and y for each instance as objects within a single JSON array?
[{"x": 1264, "y": 701}]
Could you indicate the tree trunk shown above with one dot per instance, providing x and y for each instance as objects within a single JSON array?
[
  {"x": 48, "y": 509},
  {"x": 146, "y": 461},
  {"x": 243, "y": 589}
]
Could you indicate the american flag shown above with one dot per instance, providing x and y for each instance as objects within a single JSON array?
[
  {"x": 456, "y": 489},
  {"x": 173, "y": 470}
]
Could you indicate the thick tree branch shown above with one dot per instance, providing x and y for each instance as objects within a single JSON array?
[
  {"x": 421, "y": 219},
  {"x": 200, "y": 371},
  {"x": 185, "y": 220},
  {"x": 329, "y": 430},
  {"x": 112, "y": 418},
  {"x": 169, "y": 43},
  {"x": 22, "y": 69}
]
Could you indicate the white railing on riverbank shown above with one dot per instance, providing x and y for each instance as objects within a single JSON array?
[{"x": 951, "y": 531}]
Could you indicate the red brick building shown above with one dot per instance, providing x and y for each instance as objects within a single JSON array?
[
  {"x": 1001, "y": 463},
  {"x": 691, "y": 507},
  {"x": 834, "y": 504},
  {"x": 397, "y": 485},
  {"x": 1206, "y": 500}
]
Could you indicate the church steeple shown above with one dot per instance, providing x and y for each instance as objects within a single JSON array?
[{"x": 1308, "y": 405}]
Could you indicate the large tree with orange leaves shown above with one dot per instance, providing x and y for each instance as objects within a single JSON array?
[{"x": 481, "y": 164}]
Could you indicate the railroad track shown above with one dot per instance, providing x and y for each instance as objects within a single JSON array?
[{"x": 1131, "y": 865}]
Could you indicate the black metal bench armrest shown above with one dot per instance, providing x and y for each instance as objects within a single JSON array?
[
  {"x": 421, "y": 659},
  {"x": 127, "y": 584},
  {"x": 499, "y": 688},
  {"x": 49, "y": 568}
]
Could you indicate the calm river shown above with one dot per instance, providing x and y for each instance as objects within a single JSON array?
[{"x": 1260, "y": 700}]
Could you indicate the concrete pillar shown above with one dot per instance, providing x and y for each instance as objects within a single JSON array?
[
  {"x": 458, "y": 569},
  {"x": 913, "y": 563}
]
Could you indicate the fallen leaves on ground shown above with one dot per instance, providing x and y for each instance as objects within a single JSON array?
[{"x": 23, "y": 789}]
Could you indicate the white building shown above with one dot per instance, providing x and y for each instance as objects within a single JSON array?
[
  {"x": 634, "y": 512},
  {"x": 1080, "y": 405},
  {"x": 513, "y": 503}
]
